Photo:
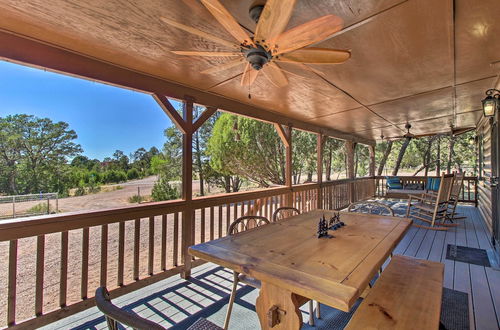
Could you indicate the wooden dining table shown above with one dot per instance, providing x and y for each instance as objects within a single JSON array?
[{"x": 295, "y": 266}]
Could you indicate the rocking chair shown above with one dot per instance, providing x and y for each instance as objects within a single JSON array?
[
  {"x": 431, "y": 207},
  {"x": 456, "y": 188}
]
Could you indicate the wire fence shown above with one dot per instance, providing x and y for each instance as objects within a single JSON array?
[{"x": 28, "y": 205}]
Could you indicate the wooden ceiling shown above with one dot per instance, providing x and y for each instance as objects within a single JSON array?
[{"x": 423, "y": 61}]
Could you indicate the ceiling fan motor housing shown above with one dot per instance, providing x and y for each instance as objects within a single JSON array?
[
  {"x": 257, "y": 56},
  {"x": 255, "y": 12}
]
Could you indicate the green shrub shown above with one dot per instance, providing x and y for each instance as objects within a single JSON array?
[
  {"x": 38, "y": 208},
  {"x": 164, "y": 191},
  {"x": 114, "y": 176},
  {"x": 136, "y": 199},
  {"x": 132, "y": 174}
]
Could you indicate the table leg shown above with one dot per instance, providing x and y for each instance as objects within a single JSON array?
[{"x": 278, "y": 308}]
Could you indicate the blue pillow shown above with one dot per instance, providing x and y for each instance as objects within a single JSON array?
[
  {"x": 433, "y": 184},
  {"x": 436, "y": 184},
  {"x": 394, "y": 183}
]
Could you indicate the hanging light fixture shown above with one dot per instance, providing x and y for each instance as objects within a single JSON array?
[{"x": 491, "y": 102}]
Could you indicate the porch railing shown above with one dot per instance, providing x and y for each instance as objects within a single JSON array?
[
  {"x": 468, "y": 194},
  {"x": 53, "y": 264}
]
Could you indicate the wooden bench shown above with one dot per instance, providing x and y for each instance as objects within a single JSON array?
[{"x": 406, "y": 296}]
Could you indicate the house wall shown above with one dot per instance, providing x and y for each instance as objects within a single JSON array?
[{"x": 486, "y": 171}]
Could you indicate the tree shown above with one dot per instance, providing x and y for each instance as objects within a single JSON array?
[
  {"x": 400, "y": 156},
  {"x": 247, "y": 148},
  {"x": 35, "y": 150},
  {"x": 10, "y": 152},
  {"x": 383, "y": 161},
  {"x": 451, "y": 153}
]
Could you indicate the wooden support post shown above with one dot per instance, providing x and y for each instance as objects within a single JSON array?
[
  {"x": 285, "y": 133},
  {"x": 349, "y": 153},
  {"x": 187, "y": 127},
  {"x": 319, "y": 166},
  {"x": 372, "y": 160},
  {"x": 371, "y": 171},
  {"x": 187, "y": 187}
]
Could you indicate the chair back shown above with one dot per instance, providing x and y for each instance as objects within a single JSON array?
[
  {"x": 456, "y": 187},
  {"x": 247, "y": 222},
  {"x": 443, "y": 194},
  {"x": 370, "y": 208},
  {"x": 284, "y": 212},
  {"x": 115, "y": 315}
]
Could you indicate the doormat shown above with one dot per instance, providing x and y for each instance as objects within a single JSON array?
[
  {"x": 467, "y": 254},
  {"x": 454, "y": 310}
]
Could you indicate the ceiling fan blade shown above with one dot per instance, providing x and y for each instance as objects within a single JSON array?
[
  {"x": 224, "y": 17},
  {"x": 317, "y": 56},
  {"x": 273, "y": 72},
  {"x": 198, "y": 33},
  {"x": 306, "y": 34},
  {"x": 249, "y": 75},
  {"x": 274, "y": 19},
  {"x": 303, "y": 66},
  {"x": 223, "y": 67},
  {"x": 207, "y": 54}
]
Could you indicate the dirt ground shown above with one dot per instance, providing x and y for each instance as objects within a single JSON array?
[
  {"x": 111, "y": 196},
  {"x": 26, "y": 258}
]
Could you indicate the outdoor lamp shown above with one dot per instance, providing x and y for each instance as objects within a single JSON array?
[{"x": 491, "y": 102}]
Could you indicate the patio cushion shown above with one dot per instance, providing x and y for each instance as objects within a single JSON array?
[
  {"x": 407, "y": 191},
  {"x": 433, "y": 184},
  {"x": 394, "y": 183}
]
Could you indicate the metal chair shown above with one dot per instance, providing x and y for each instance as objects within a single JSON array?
[
  {"x": 115, "y": 315},
  {"x": 370, "y": 208},
  {"x": 239, "y": 225},
  {"x": 284, "y": 212}
]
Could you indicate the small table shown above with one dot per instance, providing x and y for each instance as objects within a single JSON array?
[{"x": 295, "y": 266}]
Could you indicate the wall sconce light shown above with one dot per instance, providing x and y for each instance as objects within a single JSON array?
[{"x": 491, "y": 102}]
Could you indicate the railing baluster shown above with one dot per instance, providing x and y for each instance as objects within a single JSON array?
[
  {"x": 40, "y": 261},
  {"x": 235, "y": 211},
  {"x": 121, "y": 252},
  {"x": 202, "y": 225},
  {"x": 63, "y": 282},
  {"x": 137, "y": 237},
  {"x": 220, "y": 221},
  {"x": 104, "y": 255},
  {"x": 151, "y": 254},
  {"x": 175, "y": 248},
  {"x": 11, "y": 300},
  {"x": 228, "y": 217},
  {"x": 85, "y": 263},
  {"x": 164, "y": 242},
  {"x": 212, "y": 227}
]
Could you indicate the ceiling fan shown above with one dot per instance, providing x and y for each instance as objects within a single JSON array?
[
  {"x": 270, "y": 43},
  {"x": 408, "y": 134}
]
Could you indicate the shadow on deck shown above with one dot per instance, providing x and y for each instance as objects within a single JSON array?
[{"x": 176, "y": 303}]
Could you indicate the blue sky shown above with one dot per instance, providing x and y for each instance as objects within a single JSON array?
[{"x": 106, "y": 118}]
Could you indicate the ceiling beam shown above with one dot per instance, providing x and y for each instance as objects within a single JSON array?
[{"x": 34, "y": 53}]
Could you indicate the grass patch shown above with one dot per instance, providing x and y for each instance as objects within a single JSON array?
[{"x": 136, "y": 199}]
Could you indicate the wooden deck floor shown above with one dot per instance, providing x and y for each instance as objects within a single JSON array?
[
  {"x": 481, "y": 283},
  {"x": 174, "y": 302}
]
